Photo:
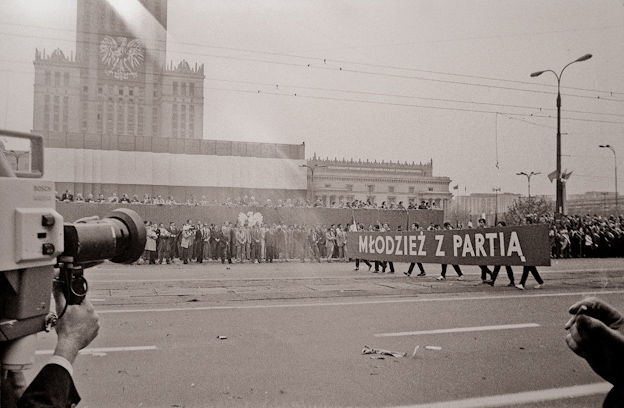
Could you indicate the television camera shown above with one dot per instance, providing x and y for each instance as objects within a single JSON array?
[{"x": 36, "y": 241}]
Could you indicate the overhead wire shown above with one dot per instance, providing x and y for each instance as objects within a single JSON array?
[
  {"x": 338, "y": 90},
  {"x": 366, "y": 101},
  {"x": 507, "y": 88},
  {"x": 342, "y": 69},
  {"x": 344, "y": 61}
]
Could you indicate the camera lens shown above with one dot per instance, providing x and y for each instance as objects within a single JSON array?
[{"x": 119, "y": 237}]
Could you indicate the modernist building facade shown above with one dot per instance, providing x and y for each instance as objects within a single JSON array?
[
  {"x": 490, "y": 205},
  {"x": 336, "y": 181},
  {"x": 117, "y": 118},
  {"x": 595, "y": 202}
]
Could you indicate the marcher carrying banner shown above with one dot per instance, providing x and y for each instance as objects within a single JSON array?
[{"x": 518, "y": 245}]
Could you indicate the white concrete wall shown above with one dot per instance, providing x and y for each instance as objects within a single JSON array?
[{"x": 121, "y": 167}]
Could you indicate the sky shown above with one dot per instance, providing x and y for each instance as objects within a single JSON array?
[{"x": 391, "y": 80}]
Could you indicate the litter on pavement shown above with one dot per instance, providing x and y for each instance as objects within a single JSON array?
[
  {"x": 222, "y": 337},
  {"x": 371, "y": 350}
]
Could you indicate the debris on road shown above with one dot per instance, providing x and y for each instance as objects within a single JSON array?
[
  {"x": 415, "y": 350},
  {"x": 377, "y": 357},
  {"x": 433, "y": 348},
  {"x": 371, "y": 350},
  {"x": 222, "y": 337}
]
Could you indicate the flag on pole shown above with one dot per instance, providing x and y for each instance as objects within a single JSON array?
[
  {"x": 552, "y": 176},
  {"x": 566, "y": 174},
  {"x": 353, "y": 226}
]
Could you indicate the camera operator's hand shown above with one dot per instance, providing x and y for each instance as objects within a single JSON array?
[
  {"x": 596, "y": 333},
  {"x": 76, "y": 328}
]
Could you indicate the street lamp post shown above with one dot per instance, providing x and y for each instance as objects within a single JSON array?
[
  {"x": 560, "y": 203},
  {"x": 617, "y": 211},
  {"x": 528, "y": 176},
  {"x": 312, "y": 168},
  {"x": 496, "y": 190}
]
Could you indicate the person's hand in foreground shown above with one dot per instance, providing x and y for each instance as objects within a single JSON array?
[{"x": 596, "y": 333}]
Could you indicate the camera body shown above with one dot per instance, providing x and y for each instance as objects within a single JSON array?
[
  {"x": 33, "y": 229},
  {"x": 36, "y": 241},
  {"x": 33, "y": 239}
]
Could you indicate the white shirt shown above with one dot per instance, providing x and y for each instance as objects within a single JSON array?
[{"x": 62, "y": 361}]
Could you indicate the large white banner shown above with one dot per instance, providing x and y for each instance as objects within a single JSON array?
[{"x": 146, "y": 168}]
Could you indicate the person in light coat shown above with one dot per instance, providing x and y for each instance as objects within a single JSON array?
[{"x": 150, "y": 243}]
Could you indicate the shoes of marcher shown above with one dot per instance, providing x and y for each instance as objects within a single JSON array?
[
  {"x": 489, "y": 282},
  {"x": 538, "y": 286},
  {"x": 460, "y": 278},
  {"x": 421, "y": 274},
  {"x": 356, "y": 269},
  {"x": 440, "y": 278},
  {"x": 375, "y": 271},
  {"x": 511, "y": 284},
  {"x": 407, "y": 274},
  {"x": 519, "y": 286}
]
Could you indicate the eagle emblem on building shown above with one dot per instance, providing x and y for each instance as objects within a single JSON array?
[{"x": 121, "y": 56}]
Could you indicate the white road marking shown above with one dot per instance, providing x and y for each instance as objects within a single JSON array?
[
  {"x": 460, "y": 330},
  {"x": 524, "y": 295},
  {"x": 298, "y": 277},
  {"x": 526, "y": 397},
  {"x": 97, "y": 350}
]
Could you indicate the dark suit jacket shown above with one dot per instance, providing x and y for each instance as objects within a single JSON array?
[{"x": 53, "y": 387}]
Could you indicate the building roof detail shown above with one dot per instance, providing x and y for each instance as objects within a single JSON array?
[
  {"x": 335, "y": 162},
  {"x": 57, "y": 56},
  {"x": 184, "y": 68}
]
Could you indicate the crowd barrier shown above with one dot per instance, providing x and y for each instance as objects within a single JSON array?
[{"x": 289, "y": 216}]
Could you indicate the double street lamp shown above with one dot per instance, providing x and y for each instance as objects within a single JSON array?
[
  {"x": 617, "y": 212},
  {"x": 528, "y": 176},
  {"x": 560, "y": 206}
]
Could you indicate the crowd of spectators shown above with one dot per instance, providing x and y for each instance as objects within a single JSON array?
[
  {"x": 587, "y": 236},
  {"x": 570, "y": 236},
  {"x": 201, "y": 242},
  {"x": 246, "y": 201}
]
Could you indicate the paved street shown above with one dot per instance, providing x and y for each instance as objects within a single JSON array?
[{"x": 295, "y": 333}]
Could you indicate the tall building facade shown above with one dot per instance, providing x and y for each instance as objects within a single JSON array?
[
  {"x": 336, "y": 181},
  {"x": 117, "y": 118},
  {"x": 117, "y": 84}
]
